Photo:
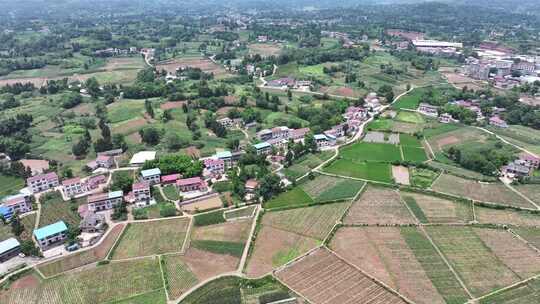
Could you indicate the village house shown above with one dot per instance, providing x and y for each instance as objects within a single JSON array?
[
  {"x": 226, "y": 157},
  {"x": 373, "y": 102},
  {"x": 141, "y": 191},
  {"x": 323, "y": 140},
  {"x": 42, "y": 182},
  {"x": 215, "y": 166},
  {"x": 498, "y": 122},
  {"x": 93, "y": 223},
  {"x": 251, "y": 185},
  {"x": 105, "y": 161},
  {"x": 298, "y": 134},
  {"x": 355, "y": 113},
  {"x": 104, "y": 201},
  {"x": 51, "y": 235},
  {"x": 228, "y": 123},
  {"x": 447, "y": 118},
  {"x": 263, "y": 148},
  {"x": 428, "y": 109},
  {"x": 15, "y": 204},
  {"x": 517, "y": 168},
  {"x": 93, "y": 182},
  {"x": 191, "y": 184},
  {"x": 170, "y": 179},
  {"x": 74, "y": 186},
  {"x": 153, "y": 176},
  {"x": 531, "y": 160},
  {"x": 9, "y": 248},
  {"x": 278, "y": 143},
  {"x": 282, "y": 83}
]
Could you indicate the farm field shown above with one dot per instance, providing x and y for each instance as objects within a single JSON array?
[
  {"x": 265, "y": 49},
  {"x": 458, "y": 171},
  {"x": 112, "y": 282},
  {"x": 506, "y": 217},
  {"x": 82, "y": 258},
  {"x": 422, "y": 178},
  {"x": 315, "y": 222},
  {"x": 311, "y": 278},
  {"x": 531, "y": 235},
  {"x": 305, "y": 163},
  {"x": 410, "y": 117},
  {"x": 178, "y": 275},
  {"x": 414, "y": 154},
  {"x": 383, "y": 253},
  {"x": 522, "y": 136},
  {"x": 204, "y": 64},
  {"x": 378, "y": 205},
  {"x": 205, "y": 265},
  {"x": 150, "y": 238},
  {"x": 409, "y": 101},
  {"x": 225, "y": 238},
  {"x": 275, "y": 247},
  {"x": 486, "y": 192},
  {"x": 10, "y": 184},
  {"x": 453, "y": 136},
  {"x": 379, "y": 172},
  {"x": 294, "y": 197},
  {"x": 530, "y": 191},
  {"x": 327, "y": 188},
  {"x": 371, "y": 152},
  {"x": 54, "y": 209},
  {"x": 474, "y": 261},
  {"x": 434, "y": 266},
  {"x": 522, "y": 294},
  {"x": 431, "y": 209},
  {"x": 240, "y": 213}
]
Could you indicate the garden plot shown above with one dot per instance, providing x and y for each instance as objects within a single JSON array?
[
  {"x": 152, "y": 237},
  {"x": 314, "y": 222},
  {"x": 265, "y": 49},
  {"x": 381, "y": 138},
  {"x": 522, "y": 294},
  {"x": 322, "y": 277},
  {"x": 485, "y": 192},
  {"x": 327, "y": 188},
  {"x": 107, "y": 283},
  {"x": 480, "y": 269},
  {"x": 82, "y": 258},
  {"x": 179, "y": 277},
  {"x": 378, "y": 206},
  {"x": 431, "y": 209},
  {"x": 383, "y": 253},
  {"x": 275, "y": 247},
  {"x": 513, "y": 252},
  {"x": 506, "y": 217}
]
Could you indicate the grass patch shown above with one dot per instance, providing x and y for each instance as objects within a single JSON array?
[
  {"x": 422, "y": 178},
  {"x": 171, "y": 192},
  {"x": 294, "y": 197},
  {"x": 380, "y": 172},
  {"x": 10, "y": 184},
  {"x": 220, "y": 247},
  {"x": 209, "y": 218}
]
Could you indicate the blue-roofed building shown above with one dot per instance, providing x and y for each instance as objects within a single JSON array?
[
  {"x": 263, "y": 148},
  {"x": 51, "y": 235},
  {"x": 9, "y": 248},
  {"x": 6, "y": 212},
  {"x": 153, "y": 176}
]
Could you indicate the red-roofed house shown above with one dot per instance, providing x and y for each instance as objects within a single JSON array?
[
  {"x": 216, "y": 166},
  {"x": 251, "y": 185},
  {"x": 170, "y": 179},
  {"x": 498, "y": 122},
  {"x": 191, "y": 184},
  {"x": 105, "y": 161},
  {"x": 74, "y": 186},
  {"x": 298, "y": 134},
  {"x": 94, "y": 181},
  {"x": 42, "y": 182},
  {"x": 141, "y": 191}
]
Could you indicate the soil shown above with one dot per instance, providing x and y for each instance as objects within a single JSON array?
[
  {"x": 205, "y": 265},
  {"x": 401, "y": 175},
  {"x": 169, "y": 105}
]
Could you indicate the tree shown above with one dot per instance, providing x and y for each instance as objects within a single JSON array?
[
  {"x": 176, "y": 163},
  {"x": 28, "y": 248},
  {"x": 150, "y": 135},
  {"x": 122, "y": 180},
  {"x": 310, "y": 143},
  {"x": 92, "y": 86},
  {"x": 167, "y": 115},
  {"x": 270, "y": 185},
  {"x": 233, "y": 144},
  {"x": 289, "y": 95},
  {"x": 149, "y": 108},
  {"x": 174, "y": 141},
  {"x": 289, "y": 157},
  {"x": 119, "y": 142},
  {"x": 16, "y": 226},
  {"x": 80, "y": 149}
]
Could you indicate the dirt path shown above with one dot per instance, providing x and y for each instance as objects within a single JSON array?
[
  {"x": 507, "y": 142},
  {"x": 522, "y": 195}
]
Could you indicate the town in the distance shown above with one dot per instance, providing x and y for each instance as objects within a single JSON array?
[{"x": 301, "y": 152}]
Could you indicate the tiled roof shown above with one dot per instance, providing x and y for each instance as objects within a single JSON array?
[
  {"x": 189, "y": 181},
  {"x": 48, "y": 176}
]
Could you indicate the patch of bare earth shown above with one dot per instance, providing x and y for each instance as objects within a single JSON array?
[
  {"x": 272, "y": 243},
  {"x": 514, "y": 253},
  {"x": 401, "y": 175},
  {"x": 193, "y": 152},
  {"x": 205, "y": 265},
  {"x": 237, "y": 231},
  {"x": 169, "y": 105},
  {"x": 445, "y": 141},
  {"x": 322, "y": 277},
  {"x": 130, "y": 126},
  {"x": 506, "y": 217},
  {"x": 383, "y": 253},
  {"x": 378, "y": 206},
  {"x": 135, "y": 138}
]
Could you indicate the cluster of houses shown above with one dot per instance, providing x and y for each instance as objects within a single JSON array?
[
  {"x": 471, "y": 105},
  {"x": 110, "y": 52},
  {"x": 521, "y": 167},
  {"x": 285, "y": 83}
]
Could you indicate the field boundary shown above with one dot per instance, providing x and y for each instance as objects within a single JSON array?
[
  {"x": 187, "y": 240},
  {"x": 245, "y": 254},
  {"x": 520, "y": 283},
  {"x": 163, "y": 279}
]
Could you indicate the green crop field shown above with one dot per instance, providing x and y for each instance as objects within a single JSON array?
[
  {"x": 239, "y": 213},
  {"x": 315, "y": 221},
  {"x": 294, "y": 197},
  {"x": 476, "y": 264},
  {"x": 54, "y": 209},
  {"x": 362, "y": 151},
  {"x": 150, "y": 238},
  {"x": 379, "y": 172},
  {"x": 413, "y": 154},
  {"x": 441, "y": 276},
  {"x": 410, "y": 141},
  {"x": 522, "y": 294},
  {"x": 223, "y": 290},
  {"x": 171, "y": 192},
  {"x": 422, "y": 178},
  {"x": 410, "y": 100},
  {"x": 112, "y": 282},
  {"x": 327, "y": 188},
  {"x": 179, "y": 277},
  {"x": 432, "y": 209},
  {"x": 10, "y": 184},
  {"x": 410, "y": 117},
  {"x": 219, "y": 247},
  {"x": 305, "y": 163},
  {"x": 209, "y": 218}
]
